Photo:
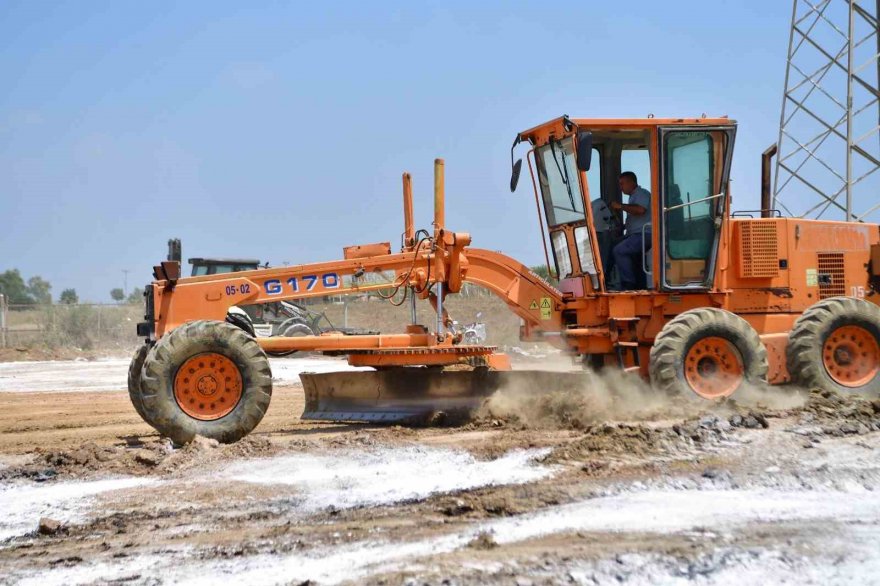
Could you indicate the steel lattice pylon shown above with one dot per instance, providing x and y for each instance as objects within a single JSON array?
[{"x": 829, "y": 129}]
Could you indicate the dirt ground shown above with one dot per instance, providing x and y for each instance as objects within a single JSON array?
[{"x": 607, "y": 485}]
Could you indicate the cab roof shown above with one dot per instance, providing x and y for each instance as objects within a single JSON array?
[
  {"x": 223, "y": 261},
  {"x": 565, "y": 126}
]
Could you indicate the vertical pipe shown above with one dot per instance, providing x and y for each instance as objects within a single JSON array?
[
  {"x": 412, "y": 305},
  {"x": 441, "y": 327},
  {"x": 849, "y": 111},
  {"x": 766, "y": 186},
  {"x": 439, "y": 224},
  {"x": 409, "y": 228},
  {"x": 439, "y": 197}
]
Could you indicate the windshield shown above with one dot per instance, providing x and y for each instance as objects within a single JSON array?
[{"x": 560, "y": 188}]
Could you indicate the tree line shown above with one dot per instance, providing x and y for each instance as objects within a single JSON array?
[{"x": 38, "y": 291}]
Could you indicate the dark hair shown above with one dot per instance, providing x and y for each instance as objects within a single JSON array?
[{"x": 630, "y": 175}]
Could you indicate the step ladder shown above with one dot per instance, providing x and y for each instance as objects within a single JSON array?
[{"x": 624, "y": 339}]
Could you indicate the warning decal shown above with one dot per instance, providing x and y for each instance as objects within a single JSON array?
[
  {"x": 546, "y": 308},
  {"x": 534, "y": 305}
]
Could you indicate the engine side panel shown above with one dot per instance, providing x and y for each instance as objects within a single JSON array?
[{"x": 788, "y": 264}]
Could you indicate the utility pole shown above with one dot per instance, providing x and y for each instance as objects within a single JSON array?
[
  {"x": 3, "y": 313},
  {"x": 125, "y": 281}
]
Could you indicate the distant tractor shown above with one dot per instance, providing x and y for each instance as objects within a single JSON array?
[{"x": 281, "y": 318}]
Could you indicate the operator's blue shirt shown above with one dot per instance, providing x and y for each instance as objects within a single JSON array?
[{"x": 634, "y": 223}]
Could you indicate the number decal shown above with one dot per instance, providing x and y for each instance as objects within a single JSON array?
[
  {"x": 858, "y": 292},
  {"x": 244, "y": 289},
  {"x": 274, "y": 286}
]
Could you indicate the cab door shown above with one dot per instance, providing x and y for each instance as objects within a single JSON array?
[
  {"x": 562, "y": 189},
  {"x": 694, "y": 183}
]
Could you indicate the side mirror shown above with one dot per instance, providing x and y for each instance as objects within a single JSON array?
[
  {"x": 514, "y": 175},
  {"x": 584, "y": 150}
]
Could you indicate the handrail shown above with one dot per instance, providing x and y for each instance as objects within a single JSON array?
[
  {"x": 690, "y": 203},
  {"x": 645, "y": 264}
]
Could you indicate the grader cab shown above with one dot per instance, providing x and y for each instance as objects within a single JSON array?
[{"x": 723, "y": 300}]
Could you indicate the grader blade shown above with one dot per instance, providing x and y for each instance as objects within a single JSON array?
[{"x": 418, "y": 395}]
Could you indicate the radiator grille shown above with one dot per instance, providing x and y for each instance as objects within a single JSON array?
[
  {"x": 759, "y": 249},
  {"x": 831, "y": 274}
]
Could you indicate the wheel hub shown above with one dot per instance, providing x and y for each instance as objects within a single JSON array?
[
  {"x": 713, "y": 368},
  {"x": 207, "y": 386},
  {"x": 707, "y": 367},
  {"x": 851, "y": 356}
]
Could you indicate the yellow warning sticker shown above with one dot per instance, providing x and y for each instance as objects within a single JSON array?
[
  {"x": 534, "y": 305},
  {"x": 812, "y": 278},
  {"x": 546, "y": 308}
]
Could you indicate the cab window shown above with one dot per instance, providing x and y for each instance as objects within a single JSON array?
[
  {"x": 594, "y": 175},
  {"x": 637, "y": 160},
  {"x": 560, "y": 188},
  {"x": 560, "y": 252},
  {"x": 694, "y": 163}
]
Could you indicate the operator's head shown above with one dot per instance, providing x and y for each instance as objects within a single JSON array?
[{"x": 628, "y": 182}]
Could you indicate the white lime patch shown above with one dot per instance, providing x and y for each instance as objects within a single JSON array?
[{"x": 387, "y": 475}]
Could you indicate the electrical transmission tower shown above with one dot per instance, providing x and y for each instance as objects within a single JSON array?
[{"x": 829, "y": 130}]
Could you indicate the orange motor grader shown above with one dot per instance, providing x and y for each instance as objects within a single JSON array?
[{"x": 727, "y": 300}]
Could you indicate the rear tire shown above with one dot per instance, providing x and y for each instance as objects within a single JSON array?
[
  {"x": 206, "y": 378},
  {"x": 707, "y": 351},
  {"x": 294, "y": 329},
  {"x": 835, "y": 346},
  {"x": 134, "y": 379}
]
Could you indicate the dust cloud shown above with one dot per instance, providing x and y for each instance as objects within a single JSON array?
[{"x": 551, "y": 400}]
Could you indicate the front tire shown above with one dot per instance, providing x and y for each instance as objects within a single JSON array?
[
  {"x": 707, "y": 351},
  {"x": 206, "y": 378},
  {"x": 134, "y": 379},
  {"x": 835, "y": 345}
]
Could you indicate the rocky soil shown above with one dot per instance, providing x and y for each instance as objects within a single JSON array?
[{"x": 607, "y": 485}]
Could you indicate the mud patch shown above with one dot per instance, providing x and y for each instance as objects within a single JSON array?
[
  {"x": 836, "y": 415},
  {"x": 601, "y": 444},
  {"x": 135, "y": 459}
]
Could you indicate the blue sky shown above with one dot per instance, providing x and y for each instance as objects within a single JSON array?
[{"x": 279, "y": 130}]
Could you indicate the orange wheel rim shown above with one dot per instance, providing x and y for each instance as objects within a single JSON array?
[
  {"x": 713, "y": 368},
  {"x": 207, "y": 386},
  {"x": 851, "y": 356}
]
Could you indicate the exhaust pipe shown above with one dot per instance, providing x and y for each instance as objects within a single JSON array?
[
  {"x": 439, "y": 197},
  {"x": 767, "y": 182},
  {"x": 409, "y": 225}
]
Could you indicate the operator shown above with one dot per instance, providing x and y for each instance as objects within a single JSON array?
[{"x": 627, "y": 254}]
